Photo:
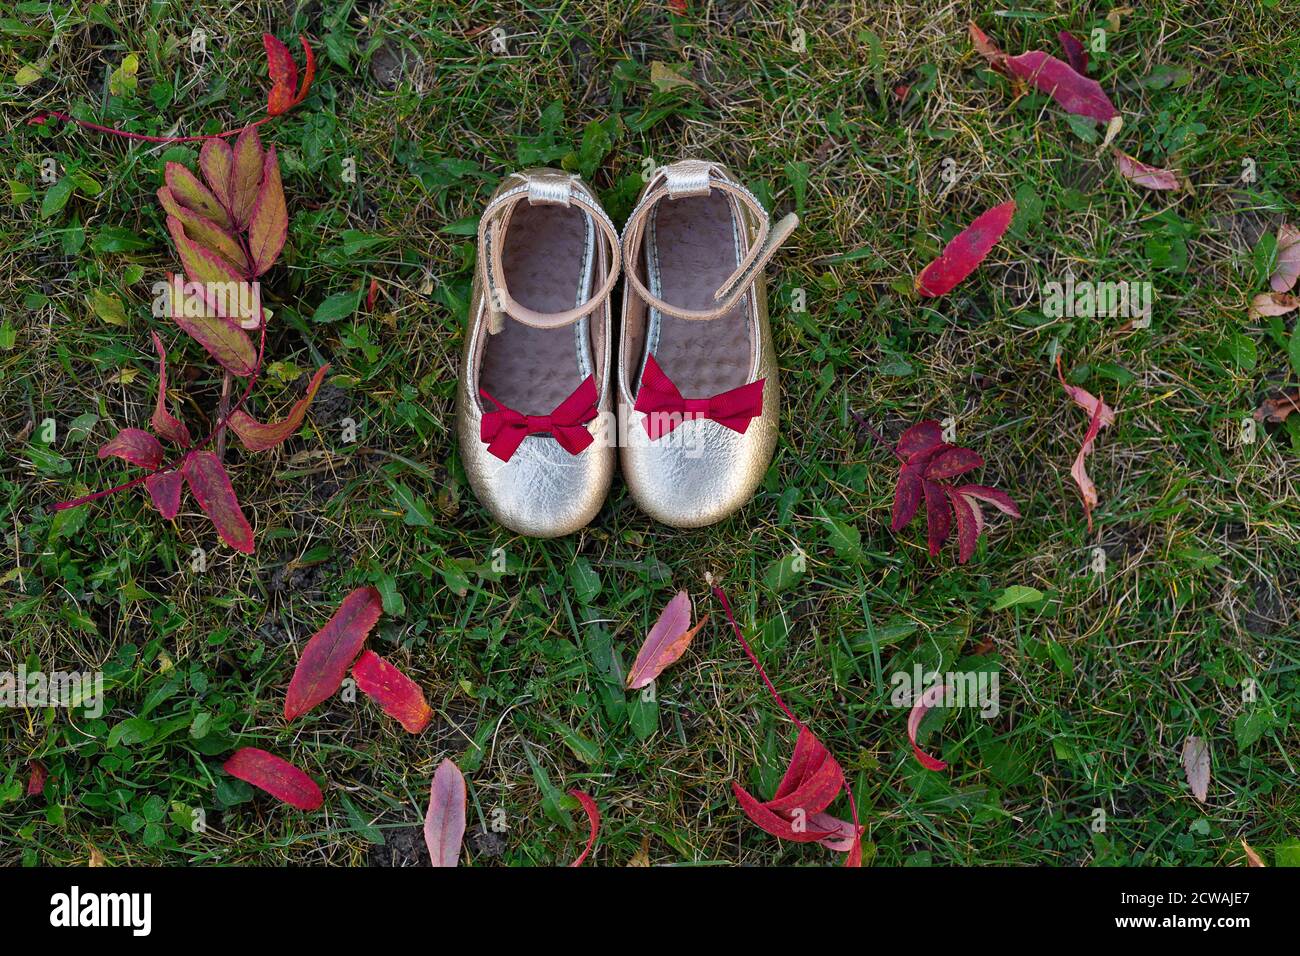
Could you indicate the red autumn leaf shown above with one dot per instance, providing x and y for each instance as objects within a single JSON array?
[
  {"x": 1076, "y": 94},
  {"x": 284, "y": 75},
  {"x": 921, "y": 438},
  {"x": 330, "y": 652},
  {"x": 952, "y": 462},
  {"x": 246, "y": 175},
  {"x": 164, "y": 489},
  {"x": 37, "y": 776},
  {"x": 593, "y": 820},
  {"x": 907, "y": 496},
  {"x": 667, "y": 641},
  {"x": 256, "y": 436},
  {"x": 136, "y": 446},
  {"x": 938, "y": 516},
  {"x": 988, "y": 49},
  {"x": 1149, "y": 177},
  {"x": 969, "y": 524},
  {"x": 1273, "y": 303},
  {"x": 811, "y": 782},
  {"x": 372, "y": 295},
  {"x": 808, "y": 774},
  {"x": 398, "y": 695},
  {"x": 1074, "y": 52},
  {"x": 965, "y": 252},
  {"x": 268, "y": 223},
  {"x": 163, "y": 421},
  {"x": 1277, "y": 409},
  {"x": 210, "y": 484},
  {"x": 922, "y": 704},
  {"x": 774, "y": 823},
  {"x": 998, "y": 499},
  {"x": 444, "y": 822},
  {"x": 276, "y": 776},
  {"x": 1287, "y": 269},
  {"x": 284, "y": 94},
  {"x": 223, "y": 339},
  {"x": 926, "y": 464},
  {"x": 678, "y": 7}
]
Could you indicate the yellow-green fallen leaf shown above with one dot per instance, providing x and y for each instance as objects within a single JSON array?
[
  {"x": 122, "y": 81},
  {"x": 108, "y": 307},
  {"x": 664, "y": 77},
  {"x": 27, "y": 75}
]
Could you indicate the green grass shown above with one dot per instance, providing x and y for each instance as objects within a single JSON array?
[{"x": 1100, "y": 682}]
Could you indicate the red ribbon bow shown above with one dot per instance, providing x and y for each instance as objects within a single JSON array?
[
  {"x": 665, "y": 408},
  {"x": 504, "y": 429}
]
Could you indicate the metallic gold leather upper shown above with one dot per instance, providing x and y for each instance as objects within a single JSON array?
[
  {"x": 542, "y": 491},
  {"x": 702, "y": 471}
]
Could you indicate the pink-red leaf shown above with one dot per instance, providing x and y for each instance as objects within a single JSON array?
[
  {"x": 276, "y": 776},
  {"x": 952, "y": 462},
  {"x": 1076, "y": 94},
  {"x": 922, "y": 437},
  {"x": 1273, "y": 303},
  {"x": 907, "y": 497},
  {"x": 938, "y": 516},
  {"x": 667, "y": 641},
  {"x": 210, "y": 484},
  {"x": 268, "y": 223},
  {"x": 256, "y": 436},
  {"x": 1074, "y": 52},
  {"x": 330, "y": 652},
  {"x": 224, "y": 340},
  {"x": 1087, "y": 490},
  {"x": 1085, "y": 399},
  {"x": 988, "y": 49},
  {"x": 246, "y": 175},
  {"x": 444, "y": 822},
  {"x": 593, "y": 820},
  {"x": 37, "y": 776},
  {"x": 398, "y": 695},
  {"x": 842, "y": 833},
  {"x": 136, "y": 446},
  {"x": 998, "y": 499},
  {"x": 186, "y": 189},
  {"x": 1287, "y": 269},
  {"x": 217, "y": 161},
  {"x": 965, "y": 252},
  {"x": 922, "y": 704},
  {"x": 163, "y": 421},
  {"x": 1149, "y": 177},
  {"x": 774, "y": 823},
  {"x": 968, "y": 526},
  {"x": 164, "y": 489}
]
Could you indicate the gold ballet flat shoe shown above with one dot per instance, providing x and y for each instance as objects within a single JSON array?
[
  {"x": 698, "y": 389},
  {"x": 533, "y": 402}
]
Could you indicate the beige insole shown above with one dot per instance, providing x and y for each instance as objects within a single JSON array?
[
  {"x": 692, "y": 246},
  {"x": 548, "y": 263}
]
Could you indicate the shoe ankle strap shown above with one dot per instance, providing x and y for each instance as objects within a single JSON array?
[
  {"x": 538, "y": 187},
  {"x": 696, "y": 178}
]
